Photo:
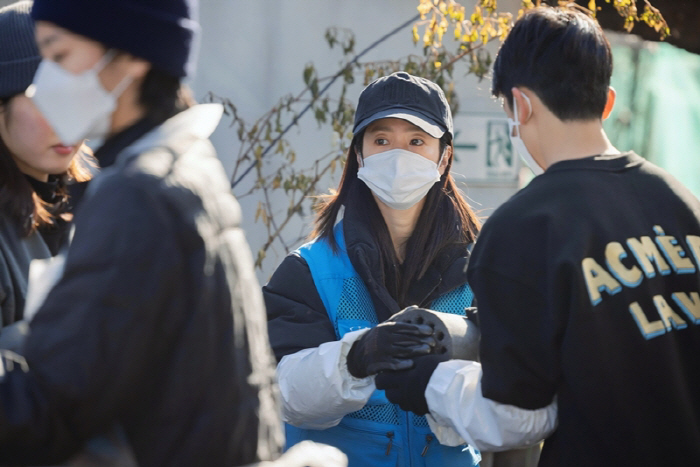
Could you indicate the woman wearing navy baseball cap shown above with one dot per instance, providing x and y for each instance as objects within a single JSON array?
[{"x": 396, "y": 233}]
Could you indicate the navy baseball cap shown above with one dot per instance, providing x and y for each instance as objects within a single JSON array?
[{"x": 411, "y": 98}]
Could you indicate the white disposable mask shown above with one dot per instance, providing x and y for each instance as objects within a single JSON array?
[
  {"x": 75, "y": 105},
  {"x": 398, "y": 177},
  {"x": 518, "y": 143}
]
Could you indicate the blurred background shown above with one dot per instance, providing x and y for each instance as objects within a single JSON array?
[{"x": 254, "y": 53}]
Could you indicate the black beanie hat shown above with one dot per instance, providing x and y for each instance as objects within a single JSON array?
[
  {"x": 160, "y": 31},
  {"x": 19, "y": 55}
]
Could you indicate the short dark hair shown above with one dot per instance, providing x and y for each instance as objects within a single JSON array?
[
  {"x": 162, "y": 95},
  {"x": 563, "y": 56}
]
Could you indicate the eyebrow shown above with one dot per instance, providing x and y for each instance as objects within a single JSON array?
[{"x": 377, "y": 129}]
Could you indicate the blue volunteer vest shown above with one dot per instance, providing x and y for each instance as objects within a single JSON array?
[{"x": 380, "y": 434}]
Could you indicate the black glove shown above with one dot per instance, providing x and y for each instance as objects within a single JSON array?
[
  {"x": 389, "y": 346},
  {"x": 407, "y": 388}
]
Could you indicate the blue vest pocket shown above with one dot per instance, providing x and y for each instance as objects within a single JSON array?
[{"x": 364, "y": 448}]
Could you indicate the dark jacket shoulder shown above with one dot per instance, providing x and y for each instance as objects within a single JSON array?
[{"x": 297, "y": 318}]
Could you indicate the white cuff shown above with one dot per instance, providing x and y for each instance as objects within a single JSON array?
[
  {"x": 459, "y": 412},
  {"x": 316, "y": 388}
]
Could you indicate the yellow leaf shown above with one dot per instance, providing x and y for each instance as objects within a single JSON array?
[
  {"x": 477, "y": 17},
  {"x": 592, "y": 7},
  {"x": 424, "y": 8},
  {"x": 484, "y": 35}
]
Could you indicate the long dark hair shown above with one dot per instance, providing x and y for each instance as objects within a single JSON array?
[
  {"x": 20, "y": 202},
  {"x": 446, "y": 219}
]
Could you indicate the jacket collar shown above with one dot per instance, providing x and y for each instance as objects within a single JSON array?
[
  {"x": 114, "y": 145},
  {"x": 178, "y": 132},
  {"x": 447, "y": 271}
]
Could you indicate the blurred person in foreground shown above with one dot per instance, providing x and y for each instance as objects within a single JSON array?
[
  {"x": 156, "y": 326},
  {"x": 36, "y": 170},
  {"x": 587, "y": 279}
]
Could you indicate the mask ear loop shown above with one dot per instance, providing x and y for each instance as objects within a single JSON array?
[
  {"x": 103, "y": 62},
  {"x": 516, "y": 120}
]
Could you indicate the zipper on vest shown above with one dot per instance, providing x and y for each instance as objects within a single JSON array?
[
  {"x": 428, "y": 439},
  {"x": 390, "y": 435}
]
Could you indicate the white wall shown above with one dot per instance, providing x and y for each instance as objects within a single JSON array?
[{"x": 254, "y": 52}]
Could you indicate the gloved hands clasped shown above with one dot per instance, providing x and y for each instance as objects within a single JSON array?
[
  {"x": 455, "y": 337},
  {"x": 389, "y": 346},
  {"x": 407, "y": 388}
]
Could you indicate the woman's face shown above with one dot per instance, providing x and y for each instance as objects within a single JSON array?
[
  {"x": 394, "y": 133},
  {"x": 76, "y": 53},
  {"x": 34, "y": 146}
]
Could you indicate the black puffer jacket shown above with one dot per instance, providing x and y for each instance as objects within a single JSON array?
[
  {"x": 297, "y": 318},
  {"x": 157, "y": 325}
]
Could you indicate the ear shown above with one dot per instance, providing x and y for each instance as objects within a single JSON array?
[
  {"x": 610, "y": 103},
  {"x": 523, "y": 104},
  {"x": 445, "y": 160},
  {"x": 358, "y": 155}
]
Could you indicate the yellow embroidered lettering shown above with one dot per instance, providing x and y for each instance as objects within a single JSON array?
[
  {"x": 673, "y": 252},
  {"x": 597, "y": 280},
  {"x": 668, "y": 316},
  {"x": 649, "y": 329},
  {"x": 693, "y": 242},
  {"x": 614, "y": 254},
  {"x": 690, "y": 304},
  {"x": 645, "y": 251}
]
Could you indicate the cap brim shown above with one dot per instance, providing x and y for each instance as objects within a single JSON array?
[{"x": 431, "y": 128}]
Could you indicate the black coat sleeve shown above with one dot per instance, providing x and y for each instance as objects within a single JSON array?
[
  {"x": 100, "y": 333},
  {"x": 296, "y": 316}
]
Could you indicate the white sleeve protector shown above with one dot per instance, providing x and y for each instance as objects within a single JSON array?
[
  {"x": 316, "y": 388},
  {"x": 459, "y": 412}
]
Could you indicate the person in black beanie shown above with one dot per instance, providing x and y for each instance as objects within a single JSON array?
[
  {"x": 156, "y": 326},
  {"x": 35, "y": 168}
]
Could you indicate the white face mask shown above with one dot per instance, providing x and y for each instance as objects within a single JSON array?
[
  {"x": 398, "y": 177},
  {"x": 75, "y": 105},
  {"x": 517, "y": 141}
]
